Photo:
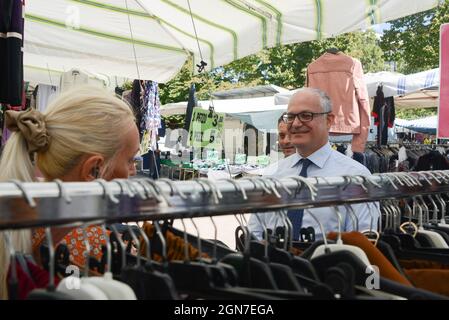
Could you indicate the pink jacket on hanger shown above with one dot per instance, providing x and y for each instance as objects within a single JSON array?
[{"x": 341, "y": 77}]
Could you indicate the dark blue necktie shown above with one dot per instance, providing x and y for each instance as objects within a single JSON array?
[{"x": 296, "y": 215}]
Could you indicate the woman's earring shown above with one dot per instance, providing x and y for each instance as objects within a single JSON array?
[{"x": 96, "y": 172}]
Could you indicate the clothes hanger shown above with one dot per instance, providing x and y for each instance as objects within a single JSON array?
[
  {"x": 403, "y": 243},
  {"x": 148, "y": 283},
  {"x": 383, "y": 246},
  {"x": 188, "y": 276},
  {"x": 371, "y": 234},
  {"x": 114, "y": 290},
  {"x": 258, "y": 249},
  {"x": 442, "y": 222},
  {"x": 435, "y": 238},
  {"x": 231, "y": 274},
  {"x": 283, "y": 275},
  {"x": 257, "y": 268},
  {"x": 72, "y": 285},
  {"x": 160, "y": 283},
  {"x": 220, "y": 278},
  {"x": 251, "y": 272},
  {"x": 194, "y": 278},
  {"x": 82, "y": 289},
  {"x": 323, "y": 262},
  {"x": 207, "y": 188},
  {"x": 50, "y": 292},
  {"x": 302, "y": 267},
  {"x": 432, "y": 224},
  {"x": 256, "y": 244},
  {"x": 37, "y": 294},
  {"x": 353, "y": 216},
  {"x": 205, "y": 287},
  {"x": 119, "y": 252},
  {"x": 339, "y": 246},
  {"x": 305, "y": 233},
  {"x": 121, "y": 258},
  {"x": 13, "y": 283}
]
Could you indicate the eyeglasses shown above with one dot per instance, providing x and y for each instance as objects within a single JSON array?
[{"x": 303, "y": 116}]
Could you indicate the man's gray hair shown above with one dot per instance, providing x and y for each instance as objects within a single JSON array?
[{"x": 325, "y": 101}]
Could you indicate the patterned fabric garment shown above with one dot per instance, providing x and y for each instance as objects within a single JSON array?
[
  {"x": 175, "y": 246},
  {"x": 74, "y": 241},
  {"x": 150, "y": 110}
]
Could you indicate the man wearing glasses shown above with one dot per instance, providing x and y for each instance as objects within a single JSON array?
[{"x": 309, "y": 117}]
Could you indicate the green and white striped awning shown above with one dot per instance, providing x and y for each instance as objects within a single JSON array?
[{"x": 95, "y": 35}]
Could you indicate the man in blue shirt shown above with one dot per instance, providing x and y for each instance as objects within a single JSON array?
[{"x": 309, "y": 117}]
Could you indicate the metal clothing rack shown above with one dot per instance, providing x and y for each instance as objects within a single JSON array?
[{"x": 25, "y": 205}]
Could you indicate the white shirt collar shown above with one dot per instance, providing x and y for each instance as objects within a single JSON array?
[{"x": 318, "y": 158}]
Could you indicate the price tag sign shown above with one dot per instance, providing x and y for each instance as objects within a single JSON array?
[
  {"x": 174, "y": 138},
  {"x": 206, "y": 129},
  {"x": 182, "y": 156}
]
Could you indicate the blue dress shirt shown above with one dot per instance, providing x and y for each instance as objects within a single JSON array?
[{"x": 326, "y": 162}]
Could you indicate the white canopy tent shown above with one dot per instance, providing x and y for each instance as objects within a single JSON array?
[
  {"x": 151, "y": 39},
  {"x": 414, "y": 90},
  {"x": 425, "y": 125}
]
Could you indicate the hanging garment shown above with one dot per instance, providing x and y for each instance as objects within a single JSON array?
[
  {"x": 434, "y": 280},
  {"x": 73, "y": 78},
  {"x": 135, "y": 100},
  {"x": 45, "y": 95},
  {"x": 37, "y": 278},
  {"x": 383, "y": 109},
  {"x": 192, "y": 102},
  {"x": 151, "y": 113},
  {"x": 379, "y": 102},
  {"x": 11, "y": 51},
  {"x": 341, "y": 77},
  {"x": 390, "y": 112},
  {"x": 376, "y": 258},
  {"x": 432, "y": 161},
  {"x": 175, "y": 246},
  {"x": 74, "y": 240}
]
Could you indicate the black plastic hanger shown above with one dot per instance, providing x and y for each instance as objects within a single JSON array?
[
  {"x": 196, "y": 279},
  {"x": 251, "y": 271},
  {"x": 50, "y": 292},
  {"x": 222, "y": 269},
  {"x": 147, "y": 282}
]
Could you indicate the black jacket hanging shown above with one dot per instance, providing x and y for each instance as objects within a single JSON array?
[
  {"x": 11, "y": 54},
  {"x": 384, "y": 114},
  {"x": 379, "y": 102}
]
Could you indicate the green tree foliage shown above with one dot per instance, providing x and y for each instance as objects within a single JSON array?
[
  {"x": 284, "y": 66},
  {"x": 413, "y": 41},
  {"x": 416, "y": 113}
]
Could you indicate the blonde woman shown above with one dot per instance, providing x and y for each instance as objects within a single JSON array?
[{"x": 84, "y": 134}]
